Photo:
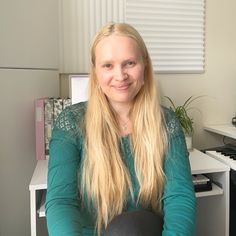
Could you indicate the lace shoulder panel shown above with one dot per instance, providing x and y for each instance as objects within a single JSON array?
[
  {"x": 172, "y": 123},
  {"x": 71, "y": 117}
]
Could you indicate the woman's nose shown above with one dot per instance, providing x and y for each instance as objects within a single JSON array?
[{"x": 120, "y": 74}]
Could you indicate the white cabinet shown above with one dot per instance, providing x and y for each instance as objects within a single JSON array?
[
  {"x": 29, "y": 34},
  {"x": 212, "y": 206}
]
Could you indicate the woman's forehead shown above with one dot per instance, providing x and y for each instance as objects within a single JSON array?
[{"x": 117, "y": 44}]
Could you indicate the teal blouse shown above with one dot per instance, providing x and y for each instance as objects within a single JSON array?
[{"x": 67, "y": 215}]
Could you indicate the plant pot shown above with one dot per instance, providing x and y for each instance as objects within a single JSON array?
[{"x": 189, "y": 142}]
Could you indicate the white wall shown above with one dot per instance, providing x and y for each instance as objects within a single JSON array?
[
  {"x": 28, "y": 70},
  {"x": 18, "y": 89},
  {"x": 29, "y": 33},
  {"x": 218, "y": 83}
]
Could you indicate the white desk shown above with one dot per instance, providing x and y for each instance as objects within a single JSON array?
[
  {"x": 227, "y": 130},
  {"x": 213, "y": 206}
]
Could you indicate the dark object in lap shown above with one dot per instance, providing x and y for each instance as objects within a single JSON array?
[{"x": 136, "y": 223}]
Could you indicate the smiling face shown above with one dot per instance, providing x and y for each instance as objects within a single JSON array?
[{"x": 119, "y": 68}]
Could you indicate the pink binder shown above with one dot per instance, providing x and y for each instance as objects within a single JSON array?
[{"x": 39, "y": 129}]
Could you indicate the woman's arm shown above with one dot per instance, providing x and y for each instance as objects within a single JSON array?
[
  {"x": 179, "y": 202},
  {"x": 62, "y": 204}
]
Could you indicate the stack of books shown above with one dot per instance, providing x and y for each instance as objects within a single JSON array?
[
  {"x": 201, "y": 183},
  {"x": 46, "y": 113}
]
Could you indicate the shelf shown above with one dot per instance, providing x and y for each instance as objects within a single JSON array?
[
  {"x": 216, "y": 190},
  {"x": 227, "y": 130},
  {"x": 41, "y": 210}
]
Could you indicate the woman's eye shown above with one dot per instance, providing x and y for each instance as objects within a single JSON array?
[
  {"x": 130, "y": 63},
  {"x": 107, "y": 66}
]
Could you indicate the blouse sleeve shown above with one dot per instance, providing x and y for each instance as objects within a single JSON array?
[
  {"x": 62, "y": 209},
  {"x": 179, "y": 201}
]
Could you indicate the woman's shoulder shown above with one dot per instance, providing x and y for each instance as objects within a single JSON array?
[
  {"x": 77, "y": 110},
  {"x": 71, "y": 117},
  {"x": 171, "y": 121}
]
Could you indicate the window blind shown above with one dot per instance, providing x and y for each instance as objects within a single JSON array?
[{"x": 173, "y": 31}]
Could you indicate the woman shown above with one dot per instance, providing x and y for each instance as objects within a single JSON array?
[{"x": 121, "y": 151}]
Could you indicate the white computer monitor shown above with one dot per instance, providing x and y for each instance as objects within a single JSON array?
[{"x": 78, "y": 88}]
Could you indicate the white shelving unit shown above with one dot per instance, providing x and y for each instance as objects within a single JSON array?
[
  {"x": 37, "y": 187},
  {"x": 212, "y": 206}
]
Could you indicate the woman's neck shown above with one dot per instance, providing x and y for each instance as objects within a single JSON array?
[{"x": 122, "y": 112}]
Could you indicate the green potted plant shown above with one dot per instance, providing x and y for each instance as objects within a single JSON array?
[{"x": 185, "y": 120}]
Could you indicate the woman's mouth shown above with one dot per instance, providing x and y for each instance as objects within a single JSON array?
[{"x": 122, "y": 87}]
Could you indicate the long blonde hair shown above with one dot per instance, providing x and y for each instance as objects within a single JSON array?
[{"x": 105, "y": 178}]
